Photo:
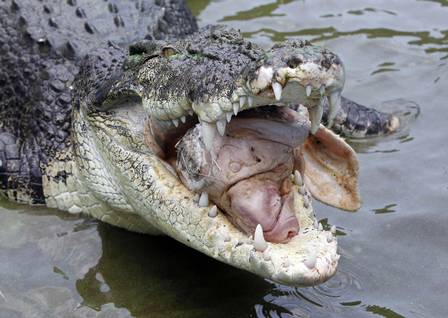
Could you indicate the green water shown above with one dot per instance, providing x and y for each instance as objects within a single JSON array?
[{"x": 394, "y": 250}]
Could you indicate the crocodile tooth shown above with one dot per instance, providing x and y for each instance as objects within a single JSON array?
[
  {"x": 320, "y": 227},
  {"x": 333, "y": 229},
  {"x": 264, "y": 77},
  {"x": 221, "y": 126},
  {"x": 183, "y": 119},
  {"x": 213, "y": 212},
  {"x": 176, "y": 122},
  {"x": 236, "y": 108},
  {"x": 250, "y": 101},
  {"x": 242, "y": 101},
  {"x": 74, "y": 209},
  {"x": 334, "y": 106},
  {"x": 203, "y": 200},
  {"x": 310, "y": 262},
  {"x": 316, "y": 116},
  {"x": 277, "y": 88},
  {"x": 259, "y": 241},
  {"x": 308, "y": 90},
  {"x": 208, "y": 134},
  {"x": 191, "y": 112},
  {"x": 322, "y": 90},
  {"x": 298, "y": 178},
  {"x": 229, "y": 117}
]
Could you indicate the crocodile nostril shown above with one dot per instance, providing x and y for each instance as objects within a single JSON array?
[{"x": 294, "y": 62}]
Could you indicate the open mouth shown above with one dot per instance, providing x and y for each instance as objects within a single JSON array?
[
  {"x": 249, "y": 170},
  {"x": 250, "y": 163},
  {"x": 218, "y": 144}
]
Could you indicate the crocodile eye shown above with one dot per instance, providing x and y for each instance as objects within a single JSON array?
[
  {"x": 168, "y": 51},
  {"x": 120, "y": 94}
]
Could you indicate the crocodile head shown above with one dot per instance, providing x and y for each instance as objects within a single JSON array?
[{"x": 217, "y": 143}]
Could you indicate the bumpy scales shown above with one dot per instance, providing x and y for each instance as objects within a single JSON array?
[{"x": 101, "y": 102}]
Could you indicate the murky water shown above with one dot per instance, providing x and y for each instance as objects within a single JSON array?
[{"x": 394, "y": 250}]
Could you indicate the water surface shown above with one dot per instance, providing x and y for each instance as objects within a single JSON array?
[{"x": 394, "y": 250}]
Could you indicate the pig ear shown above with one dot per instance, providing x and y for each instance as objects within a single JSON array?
[{"x": 331, "y": 170}]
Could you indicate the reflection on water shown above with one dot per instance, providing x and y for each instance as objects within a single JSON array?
[
  {"x": 142, "y": 274},
  {"x": 78, "y": 266},
  {"x": 387, "y": 209},
  {"x": 394, "y": 250},
  {"x": 266, "y": 10}
]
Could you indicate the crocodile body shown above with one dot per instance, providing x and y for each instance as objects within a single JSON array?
[{"x": 66, "y": 144}]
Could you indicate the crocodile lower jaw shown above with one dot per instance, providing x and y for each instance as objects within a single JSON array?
[{"x": 307, "y": 259}]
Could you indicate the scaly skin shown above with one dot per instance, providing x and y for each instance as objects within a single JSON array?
[
  {"x": 83, "y": 152},
  {"x": 125, "y": 183},
  {"x": 357, "y": 121},
  {"x": 137, "y": 191},
  {"x": 41, "y": 45}
]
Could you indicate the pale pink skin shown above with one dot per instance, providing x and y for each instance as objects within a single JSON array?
[
  {"x": 261, "y": 202},
  {"x": 250, "y": 175}
]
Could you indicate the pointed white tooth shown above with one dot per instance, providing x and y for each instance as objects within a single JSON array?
[
  {"x": 308, "y": 90},
  {"x": 320, "y": 227},
  {"x": 264, "y": 77},
  {"x": 250, "y": 101},
  {"x": 203, "y": 200},
  {"x": 229, "y": 117},
  {"x": 277, "y": 88},
  {"x": 176, "y": 122},
  {"x": 316, "y": 116},
  {"x": 310, "y": 262},
  {"x": 259, "y": 241},
  {"x": 74, "y": 209},
  {"x": 333, "y": 229},
  {"x": 183, "y": 119},
  {"x": 213, "y": 212},
  {"x": 221, "y": 126},
  {"x": 334, "y": 106},
  {"x": 191, "y": 112},
  {"x": 208, "y": 134},
  {"x": 242, "y": 101},
  {"x": 315, "y": 224},
  {"x": 298, "y": 178},
  {"x": 322, "y": 90},
  {"x": 236, "y": 108}
]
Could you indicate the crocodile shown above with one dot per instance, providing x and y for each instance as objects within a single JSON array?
[{"x": 126, "y": 112}]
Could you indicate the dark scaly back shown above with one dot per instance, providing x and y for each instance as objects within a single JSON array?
[
  {"x": 41, "y": 45},
  {"x": 357, "y": 121}
]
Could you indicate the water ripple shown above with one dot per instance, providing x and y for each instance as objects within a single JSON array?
[{"x": 330, "y": 297}]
